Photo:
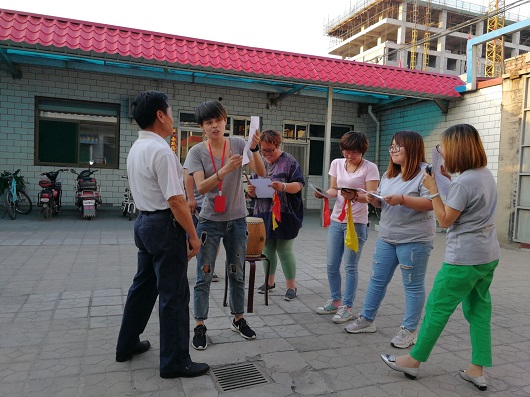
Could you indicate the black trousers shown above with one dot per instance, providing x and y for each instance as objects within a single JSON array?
[{"x": 162, "y": 271}]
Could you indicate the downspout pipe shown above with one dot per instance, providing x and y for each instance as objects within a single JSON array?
[
  {"x": 377, "y": 134},
  {"x": 327, "y": 138}
]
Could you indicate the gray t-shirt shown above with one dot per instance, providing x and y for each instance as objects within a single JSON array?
[
  {"x": 200, "y": 160},
  {"x": 472, "y": 238},
  {"x": 400, "y": 224},
  {"x": 199, "y": 198}
]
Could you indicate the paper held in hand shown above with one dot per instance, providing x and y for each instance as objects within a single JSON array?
[
  {"x": 254, "y": 126},
  {"x": 263, "y": 188},
  {"x": 320, "y": 191},
  {"x": 442, "y": 182}
]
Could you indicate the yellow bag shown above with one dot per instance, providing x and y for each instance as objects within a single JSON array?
[{"x": 351, "y": 240}]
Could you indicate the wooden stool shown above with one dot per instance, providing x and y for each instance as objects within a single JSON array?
[{"x": 251, "y": 278}]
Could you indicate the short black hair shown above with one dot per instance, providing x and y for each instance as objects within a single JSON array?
[
  {"x": 354, "y": 140},
  {"x": 210, "y": 110},
  {"x": 145, "y": 106}
]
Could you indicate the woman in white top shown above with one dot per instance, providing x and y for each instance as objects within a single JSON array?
[{"x": 352, "y": 171}]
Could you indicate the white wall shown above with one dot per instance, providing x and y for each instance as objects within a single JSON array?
[{"x": 481, "y": 108}]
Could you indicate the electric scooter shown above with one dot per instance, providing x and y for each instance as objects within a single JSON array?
[
  {"x": 128, "y": 208},
  {"x": 49, "y": 199},
  {"x": 87, "y": 197}
]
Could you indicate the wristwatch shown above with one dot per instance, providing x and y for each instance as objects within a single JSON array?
[
  {"x": 255, "y": 149},
  {"x": 430, "y": 197}
]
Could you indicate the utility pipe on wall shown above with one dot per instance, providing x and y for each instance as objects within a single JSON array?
[
  {"x": 377, "y": 134},
  {"x": 327, "y": 138}
]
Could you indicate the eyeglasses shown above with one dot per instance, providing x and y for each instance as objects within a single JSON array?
[
  {"x": 268, "y": 150},
  {"x": 394, "y": 148},
  {"x": 438, "y": 148}
]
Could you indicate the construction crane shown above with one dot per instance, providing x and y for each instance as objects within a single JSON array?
[
  {"x": 414, "y": 35},
  {"x": 495, "y": 47},
  {"x": 427, "y": 36}
]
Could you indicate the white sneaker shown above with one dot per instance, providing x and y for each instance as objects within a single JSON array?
[
  {"x": 330, "y": 307},
  {"x": 361, "y": 325},
  {"x": 343, "y": 315},
  {"x": 404, "y": 338}
]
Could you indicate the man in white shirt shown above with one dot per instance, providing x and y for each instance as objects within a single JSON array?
[{"x": 160, "y": 233}]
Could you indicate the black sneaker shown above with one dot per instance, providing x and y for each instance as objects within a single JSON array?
[
  {"x": 199, "y": 339},
  {"x": 290, "y": 294},
  {"x": 242, "y": 327},
  {"x": 261, "y": 290},
  {"x": 215, "y": 278}
]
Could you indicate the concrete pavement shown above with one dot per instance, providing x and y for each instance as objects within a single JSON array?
[{"x": 64, "y": 281}]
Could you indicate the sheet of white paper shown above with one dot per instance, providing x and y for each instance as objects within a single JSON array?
[
  {"x": 320, "y": 191},
  {"x": 263, "y": 190},
  {"x": 442, "y": 182},
  {"x": 254, "y": 125},
  {"x": 371, "y": 194}
]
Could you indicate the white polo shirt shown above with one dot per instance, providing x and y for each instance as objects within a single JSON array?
[{"x": 154, "y": 172}]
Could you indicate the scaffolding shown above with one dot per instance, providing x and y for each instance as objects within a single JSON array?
[{"x": 409, "y": 32}]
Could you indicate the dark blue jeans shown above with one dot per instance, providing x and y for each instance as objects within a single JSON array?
[{"x": 162, "y": 271}]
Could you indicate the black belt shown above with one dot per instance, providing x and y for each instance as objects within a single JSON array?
[{"x": 167, "y": 210}]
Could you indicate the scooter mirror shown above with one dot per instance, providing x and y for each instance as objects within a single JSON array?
[
  {"x": 73, "y": 171},
  {"x": 91, "y": 162}
]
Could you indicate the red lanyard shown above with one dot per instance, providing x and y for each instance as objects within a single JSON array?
[{"x": 220, "y": 184}]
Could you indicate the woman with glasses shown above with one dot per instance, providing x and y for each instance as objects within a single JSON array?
[
  {"x": 288, "y": 181},
  {"x": 471, "y": 255},
  {"x": 353, "y": 171},
  {"x": 405, "y": 239}
]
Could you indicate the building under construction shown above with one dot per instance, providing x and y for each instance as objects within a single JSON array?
[{"x": 425, "y": 35}]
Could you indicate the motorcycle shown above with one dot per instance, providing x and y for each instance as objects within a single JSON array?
[
  {"x": 87, "y": 197},
  {"x": 128, "y": 208},
  {"x": 49, "y": 199}
]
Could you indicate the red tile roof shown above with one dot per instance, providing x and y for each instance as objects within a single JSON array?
[{"x": 54, "y": 34}]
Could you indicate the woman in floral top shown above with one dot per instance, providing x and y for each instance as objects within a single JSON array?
[{"x": 287, "y": 181}]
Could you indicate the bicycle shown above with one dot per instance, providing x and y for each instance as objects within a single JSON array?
[
  {"x": 374, "y": 211},
  {"x": 128, "y": 208},
  {"x": 15, "y": 200}
]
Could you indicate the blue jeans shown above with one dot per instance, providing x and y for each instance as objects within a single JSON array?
[
  {"x": 335, "y": 250},
  {"x": 234, "y": 234},
  {"x": 162, "y": 271},
  {"x": 413, "y": 259}
]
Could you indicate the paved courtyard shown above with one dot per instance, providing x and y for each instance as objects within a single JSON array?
[{"x": 64, "y": 281}]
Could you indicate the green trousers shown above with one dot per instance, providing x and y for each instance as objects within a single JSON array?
[
  {"x": 454, "y": 284},
  {"x": 282, "y": 249}
]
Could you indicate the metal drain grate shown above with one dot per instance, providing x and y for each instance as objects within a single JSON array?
[{"x": 238, "y": 376}]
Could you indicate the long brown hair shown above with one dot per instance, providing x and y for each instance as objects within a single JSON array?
[
  {"x": 463, "y": 149},
  {"x": 415, "y": 155}
]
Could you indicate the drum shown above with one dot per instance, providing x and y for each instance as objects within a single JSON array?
[{"x": 256, "y": 236}]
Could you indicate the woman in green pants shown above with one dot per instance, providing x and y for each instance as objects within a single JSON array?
[
  {"x": 471, "y": 255},
  {"x": 287, "y": 181}
]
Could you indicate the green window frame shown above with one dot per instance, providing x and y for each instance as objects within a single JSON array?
[{"x": 71, "y": 133}]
